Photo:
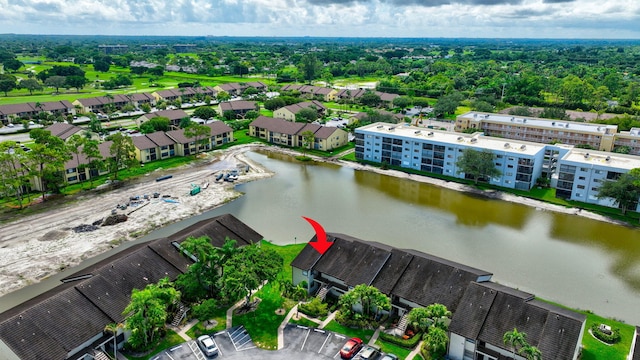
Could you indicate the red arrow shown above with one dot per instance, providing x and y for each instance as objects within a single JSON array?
[{"x": 321, "y": 244}]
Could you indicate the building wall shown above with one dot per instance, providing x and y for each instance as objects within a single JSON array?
[
  {"x": 456, "y": 347},
  {"x": 284, "y": 113}
]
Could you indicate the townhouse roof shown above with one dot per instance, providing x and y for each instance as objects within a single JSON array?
[
  {"x": 173, "y": 115},
  {"x": 280, "y": 126},
  {"x": 160, "y": 138},
  {"x": 307, "y": 89},
  {"x": 103, "y": 100},
  {"x": 415, "y": 276},
  {"x": 141, "y": 96},
  {"x": 238, "y": 105},
  {"x": 81, "y": 159},
  {"x": 218, "y": 128},
  {"x": 488, "y": 310},
  {"x": 30, "y": 107},
  {"x": 60, "y": 320},
  {"x": 178, "y": 136},
  {"x": 63, "y": 130},
  {"x": 295, "y": 108},
  {"x": 325, "y": 132},
  {"x": 143, "y": 142},
  {"x": 439, "y": 281}
]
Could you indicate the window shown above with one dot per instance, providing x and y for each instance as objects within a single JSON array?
[
  {"x": 584, "y": 169},
  {"x": 598, "y": 171},
  {"x": 580, "y": 187},
  {"x": 499, "y": 156},
  {"x": 510, "y": 166},
  {"x": 509, "y": 174},
  {"x": 581, "y": 178}
]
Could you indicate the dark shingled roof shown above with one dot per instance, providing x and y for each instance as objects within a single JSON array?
[
  {"x": 63, "y": 130},
  {"x": 279, "y": 126},
  {"x": 221, "y": 227},
  {"x": 561, "y": 331},
  {"x": 58, "y": 321},
  {"x": 392, "y": 271},
  {"x": 429, "y": 279},
  {"x": 160, "y": 138},
  {"x": 472, "y": 310},
  {"x": 142, "y": 142},
  {"x": 219, "y": 128},
  {"x": 239, "y": 105},
  {"x": 352, "y": 260}
]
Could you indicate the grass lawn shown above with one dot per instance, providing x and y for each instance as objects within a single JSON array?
[
  {"x": 263, "y": 323},
  {"x": 594, "y": 349},
  {"x": 198, "y": 329},
  {"x": 394, "y": 349},
  {"x": 170, "y": 339},
  {"x": 304, "y": 322},
  {"x": 363, "y": 334}
]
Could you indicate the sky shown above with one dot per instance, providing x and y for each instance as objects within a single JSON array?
[{"x": 567, "y": 19}]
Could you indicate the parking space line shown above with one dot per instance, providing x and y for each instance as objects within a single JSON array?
[
  {"x": 324, "y": 343},
  {"x": 214, "y": 341},
  {"x": 305, "y": 339}
]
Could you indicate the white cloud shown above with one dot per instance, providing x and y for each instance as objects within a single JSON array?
[{"x": 388, "y": 18}]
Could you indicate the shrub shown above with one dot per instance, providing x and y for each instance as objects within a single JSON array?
[
  {"x": 206, "y": 310},
  {"x": 612, "y": 338},
  {"x": 405, "y": 343},
  {"x": 314, "y": 308}
]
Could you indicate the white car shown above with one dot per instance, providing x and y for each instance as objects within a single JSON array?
[{"x": 207, "y": 345}]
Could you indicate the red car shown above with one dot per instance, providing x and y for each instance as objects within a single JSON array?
[{"x": 351, "y": 348}]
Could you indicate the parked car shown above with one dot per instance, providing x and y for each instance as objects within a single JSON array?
[
  {"x": 389, "y": 357},
  {"x": 208, "y": 345},
  {"x": 370, "y": 352},
  {"x": 351, "y": 348}
]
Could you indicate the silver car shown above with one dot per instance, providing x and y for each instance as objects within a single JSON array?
[{"x": 207, "y": 345}]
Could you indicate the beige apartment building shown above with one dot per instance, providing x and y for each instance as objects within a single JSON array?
[{"x": 546, "y": 131}]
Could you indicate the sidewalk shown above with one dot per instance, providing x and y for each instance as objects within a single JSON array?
[{"x": 182, "y": 330}]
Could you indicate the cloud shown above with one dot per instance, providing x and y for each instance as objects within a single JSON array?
[{"x": 421, "y": 3}]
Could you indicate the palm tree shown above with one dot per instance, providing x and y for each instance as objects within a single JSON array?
[
  {"x": 113, "y": 330},
  {"x": 515, "y": 339},
  {"x": 531, "y": 352}
]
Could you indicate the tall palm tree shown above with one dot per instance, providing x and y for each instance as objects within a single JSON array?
[
  {"x": 515, "y": 339},
  {"x": 531, "y": 352},
  {"x": 113, "y": 330}
]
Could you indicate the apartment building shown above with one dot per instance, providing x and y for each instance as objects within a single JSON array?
[
  {"x": 545, "y": 131},
  {"x": 520, "y": 163}
]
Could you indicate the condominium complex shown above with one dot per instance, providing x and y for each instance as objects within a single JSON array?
[
  {"x": 575, "y": 173},
  {"x": 597, "y": 136}
]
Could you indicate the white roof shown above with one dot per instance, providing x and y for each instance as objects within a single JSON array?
[
  {"x": 538, "y": 122},
  {"x": 602, "y": 159},
  {"x": 470, "y": 140}
]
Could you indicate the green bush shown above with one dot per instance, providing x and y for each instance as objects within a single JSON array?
[
  {"x": 206, "y": 310},
  {"x": 314, "y": 308},
  {"x": 397, "y": 340},
  {"x": 600, "y": 335}
]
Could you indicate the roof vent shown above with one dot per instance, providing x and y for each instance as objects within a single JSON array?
[
  {"x": 460, "y": 138},
  {"x": 391, "y": 128},
  {"x": 417, "y": 132},
  {"x": 566, "y": 125},
  {"x": 586, "y": 156},
  {"x": 474, "y": 140},
  {"x": 523, "y": 147},
  {"x": 608, "y": 158},
  {"x": 524, "y": 120},
  {"x": 430, "y": 133},
  {"x": 512, "y": 119},
  {"x": 379, "y": 127},
  {"x": 507, "y": 145},
  {"x": 553, "y": 123}
]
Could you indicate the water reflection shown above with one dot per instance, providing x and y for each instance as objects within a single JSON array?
[{"x": 470, "y": 210}]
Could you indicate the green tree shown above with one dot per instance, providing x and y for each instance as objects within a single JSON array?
[
  {"x": 514, "y": 340},
  {"x": 55, "y": 82},
  {"x": 93, "y": 155},
  {"x": 435, "y": 342},
  {"x": 74, "y": 81},
  {"x": 202, "y": 277},
  {"x": 370, "y": 98},
  {"x": 477, "y": 164},
  {"x": 30, "y": 84},
  {"x": 46, "y": 159},
  {"x": 531, "y": 352},
  {"x": 434, "y": 315},
  {"x": 205, "y": 112},
  {"x": 447, "y": 104},
  {"x": 401, "y": 102},
  {"x": 624, "y": 191},
  {"x": 122, "y": 153},
  {"x": 158, "y": 123},
  {"x": 200, "y": 134},
  {"x": 369, "y": 298},
  {"x": 101, "y": 65},
  {"x": 251, "y": 115},
  {"x": 7, "y": 83},
  {"x": 74, "y": 146},
  {"x": 113, "y": 329},
  {"x": 13, "y": 176},
  {"x": 246, "y": 269},
  {"x": 308, "y": 138},
  {"x": 307, "y": 115},
  {"x": 310, "y": 67},
  {"x": 13, "y": 65},
  {"x": 147, "y": 312},
  {"x": 223, "y": 96}
]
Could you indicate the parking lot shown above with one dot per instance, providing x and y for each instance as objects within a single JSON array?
[{"x": 300, "y": 343}]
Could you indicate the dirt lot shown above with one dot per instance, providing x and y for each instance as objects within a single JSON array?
[{"x": 35, "y": 246}]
